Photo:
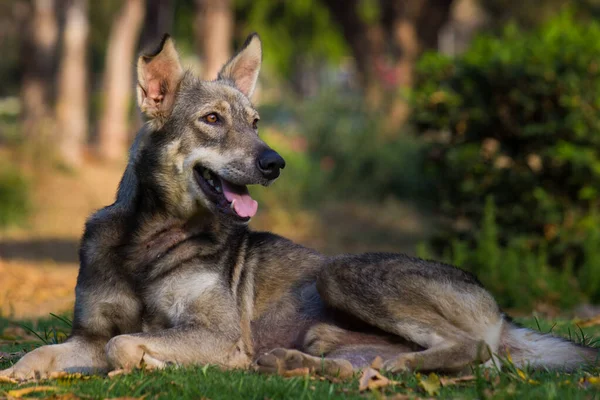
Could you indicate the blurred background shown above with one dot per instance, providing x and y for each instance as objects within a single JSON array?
[{"x": 460, "y": 130}]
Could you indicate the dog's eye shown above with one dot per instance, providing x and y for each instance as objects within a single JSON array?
[
  {"x": 211, "y": 118},
  {"x": 255, "y": 123}
]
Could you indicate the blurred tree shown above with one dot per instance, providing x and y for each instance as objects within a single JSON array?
[
  {"x": 299, "y": 37},
  {"x": 38, "y": 55},
  {"x": 386, "y": 38},
  {"x": 113, "y": 128},
  {"x": 158, "y": 21},
  {"x": 213, "y": 31},
  {"x": 529, "y": 14},
  {"x": 71, "y": 102}
]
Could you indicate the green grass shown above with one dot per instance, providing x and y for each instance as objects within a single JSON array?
[{"x": 210, "y": 382}]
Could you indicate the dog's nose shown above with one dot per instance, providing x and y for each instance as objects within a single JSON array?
[{"x": 269, "y": 163}]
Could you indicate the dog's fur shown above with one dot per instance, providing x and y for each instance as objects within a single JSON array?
[{"x": 170, "y": 276}]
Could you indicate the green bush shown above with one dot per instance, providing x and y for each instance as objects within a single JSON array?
[
  {"x": 335, "y": 151},
  {"x": 517, "y": 117},
  {"x": 14, "y": 196},
  {"x": 519, "y": 275}
]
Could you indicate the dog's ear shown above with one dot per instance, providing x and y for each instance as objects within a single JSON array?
[
  {"x": 244, "y": 67},
  {"x": 159, "y": 74}
]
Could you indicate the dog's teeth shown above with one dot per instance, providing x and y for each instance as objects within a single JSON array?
[
  {"x": 210, "y": 181},
  {"x": 218, "y": 188},
  {"x": 231, "y": 205}
]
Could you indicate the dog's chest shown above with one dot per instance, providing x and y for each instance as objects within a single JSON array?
[{"x": 180, "y": 297}]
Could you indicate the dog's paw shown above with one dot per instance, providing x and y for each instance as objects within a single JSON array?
[
  {"x": 284, "y": 361},
  {"x": 402, "y": 363},
  {"x": 129, "y": 352},
  {"x": 35, "y": 365},
  {"x": 278, "y": 361}
]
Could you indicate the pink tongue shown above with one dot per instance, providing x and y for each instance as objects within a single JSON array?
[{"x": 243, "y": 204}]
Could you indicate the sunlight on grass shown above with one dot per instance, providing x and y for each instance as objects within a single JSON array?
[{"x": 210, "y": 382}]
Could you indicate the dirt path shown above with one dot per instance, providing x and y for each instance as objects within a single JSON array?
[{"x": 39, "y": 262}]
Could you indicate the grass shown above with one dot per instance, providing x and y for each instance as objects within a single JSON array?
[{"x": 212, "y": 383}]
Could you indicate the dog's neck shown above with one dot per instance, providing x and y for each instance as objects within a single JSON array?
[{"x": 155, "y": 239}]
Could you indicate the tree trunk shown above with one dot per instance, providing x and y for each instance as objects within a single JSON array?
[
  {"x": 113, "y": 131},
  {"x": 385, "y": 50},
  {"x": 365, "y": 40},
  {"x": 71, "y": 103},
  {"x": 413, "y": 27},
  {"x": 214, "y": 30},
  {"x": 38, "y": 57},
  {"x": 158, "y": 21}
]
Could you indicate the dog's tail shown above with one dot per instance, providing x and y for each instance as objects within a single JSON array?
[{"x": 542, "y": 350}]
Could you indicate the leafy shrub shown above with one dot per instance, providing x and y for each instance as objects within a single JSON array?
[
  {"x": 519, "y": 275},
  {"x": 14, "y": 196},
  {"x": 517, "y": 117},
  {"x": 334, "y": 151}
]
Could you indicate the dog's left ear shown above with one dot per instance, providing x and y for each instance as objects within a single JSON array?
[
  {"x": 244, "y": 67},
  {"x": 159, "y": 74}
]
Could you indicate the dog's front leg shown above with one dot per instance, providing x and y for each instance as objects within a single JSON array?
[
  {"x": 78, "y": 354},
  {"x": 188, "y": 345}
]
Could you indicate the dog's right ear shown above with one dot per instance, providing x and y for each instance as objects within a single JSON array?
[{"x": 159, "y": 74}]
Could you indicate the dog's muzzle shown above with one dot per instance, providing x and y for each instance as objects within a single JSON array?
[{"x": 270, "y": 163}]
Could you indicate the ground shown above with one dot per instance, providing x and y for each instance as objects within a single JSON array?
[
  {"x": 38, "y": 269},
  {"x": 209, "y": 382}
]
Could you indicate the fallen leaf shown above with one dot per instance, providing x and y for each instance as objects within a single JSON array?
[
  {"x": 594, "y": 380},
  {"x": 590, "y": 380},
  {"x": 585, "y": 323},
  {"x": 431, "y": 385},
  {"x": 22, "y": 392},
  {"x": 296, "y": 372},
  {"x": 377, "y": 363},
  {"x": 371, "y": 379},
  {"x": 6, "y": 379},
  {"x": 521, "y": 374},
  {"x": 67, "y": 375},
  {"x": 445, "y": 381}
]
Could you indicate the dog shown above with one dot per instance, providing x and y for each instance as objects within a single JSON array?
[{"x": 171, "y": 274}]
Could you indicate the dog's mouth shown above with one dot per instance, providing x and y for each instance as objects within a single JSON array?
[{"x": 230, "y": 199}]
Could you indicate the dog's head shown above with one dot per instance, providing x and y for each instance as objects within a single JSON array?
[{"x": 203, "y": 144}]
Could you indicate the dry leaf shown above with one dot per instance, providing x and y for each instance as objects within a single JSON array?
[
  {"x": 445, "y": 381},
  {"x": 67, "y": 375},
  {"x": 431, "y": 385},
  {"x": 589, "y": 322},
  {"x": 371, "y": 379},
  {"x": 594, "y": 380},
  {"x": 590, "y": 380},
  {"x": 22, "y": 392},
  {"x": 377, "y": 363},
  {"x": 6, "y": 379},
  {"x": 296, "y": 372}
]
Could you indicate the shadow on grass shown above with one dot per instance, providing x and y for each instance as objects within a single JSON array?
[{"x": 57, "y": 250}]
